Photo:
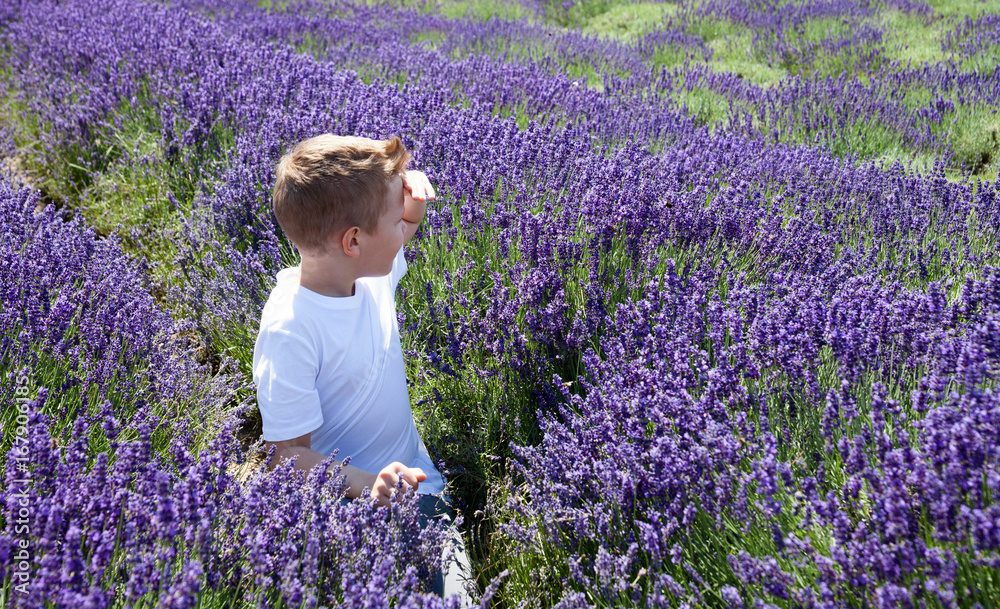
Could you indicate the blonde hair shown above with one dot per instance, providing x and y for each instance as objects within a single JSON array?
[{"x": 330, "y": 182}]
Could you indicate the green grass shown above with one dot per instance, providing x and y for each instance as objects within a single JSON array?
[
  {"x": 972, "y": 133},
  {"x": 975, "y": 136},
  {"x": 961, "y": 8},
  {"x": 909, "y": 38},
  {"x": 628, "y": 21},
  {"x": 711, "y": 29},
  {"x": 706, "y": 107},
  {"x": 731, "y": 53},
  {"x": 429, "y": 38},
  {"x": 483, "y": 10}
]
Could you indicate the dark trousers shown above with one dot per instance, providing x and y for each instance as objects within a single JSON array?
[{"x": 438, "y": 508}]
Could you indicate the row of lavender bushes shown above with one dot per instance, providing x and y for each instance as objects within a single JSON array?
[
  {"x": 762, "y": 373},
  {"x": 844, "y": 88}
]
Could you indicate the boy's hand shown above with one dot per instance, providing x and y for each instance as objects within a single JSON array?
[
  {"x": 417, "y": 190},
  {"x": 386, "y": 480},
  {"x": 416, "y": 184}
]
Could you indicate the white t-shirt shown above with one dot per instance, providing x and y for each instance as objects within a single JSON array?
[{"x": 333, "y": 368}]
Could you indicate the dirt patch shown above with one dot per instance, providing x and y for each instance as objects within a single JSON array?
[{"x": 10, "y": 166}]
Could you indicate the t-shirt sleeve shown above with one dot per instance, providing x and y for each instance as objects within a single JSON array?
[
  {"x": 285, "y": 370},
  {"x": 398, "y": 268}
]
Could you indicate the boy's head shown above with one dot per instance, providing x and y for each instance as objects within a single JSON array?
[{"x": 331, "y": 182}]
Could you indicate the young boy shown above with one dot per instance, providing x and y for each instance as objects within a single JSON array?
[{"x": 327, "y": 363}]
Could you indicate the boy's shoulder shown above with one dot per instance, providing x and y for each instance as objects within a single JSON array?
[
  {"x": 288, "y": 322},
  {"x": 282, "y": 312}
]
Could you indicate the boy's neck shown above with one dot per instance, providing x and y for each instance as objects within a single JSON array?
[{"x": 326, "y": 276}]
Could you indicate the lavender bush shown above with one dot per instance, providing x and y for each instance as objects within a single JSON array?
[
  {"x": 130, "y": 527},
  {"x": 78, "y": 315}
]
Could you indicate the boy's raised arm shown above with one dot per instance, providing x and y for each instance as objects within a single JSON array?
[{"x": 417, "y": 190}]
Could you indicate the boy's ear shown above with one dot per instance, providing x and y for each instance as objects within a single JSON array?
[{"x": 350, "y": 241}]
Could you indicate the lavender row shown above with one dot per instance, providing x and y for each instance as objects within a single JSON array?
[
  {"x": 704, "y": 418},
  {"x": 779, "y": 31},
  {"x": 75, "y": 300},
  {"x": 515, "y": 40},
  {"x": 974, "y": 36},
  {"x": 372, "y": 42},
  {"x": 908, "y": 107},
  {"x": 130, "y": 526}
]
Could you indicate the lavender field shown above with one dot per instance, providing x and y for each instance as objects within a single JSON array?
[{"x": 706, "y": 312}]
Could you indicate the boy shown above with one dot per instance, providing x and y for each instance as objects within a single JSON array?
[{"x": 327, "y": 363}]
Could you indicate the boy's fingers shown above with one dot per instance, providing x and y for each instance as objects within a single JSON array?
[
  {"x": 419, "y": 185},
  {"x": 414, "y": 194},
  {"x": 379, "y": 495},
  {"x": 422, "y": 183},
  {"x": 412, "y": 189},
  {"x": 413, "y": 477},
  {"x": 389, "y": 478}
]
